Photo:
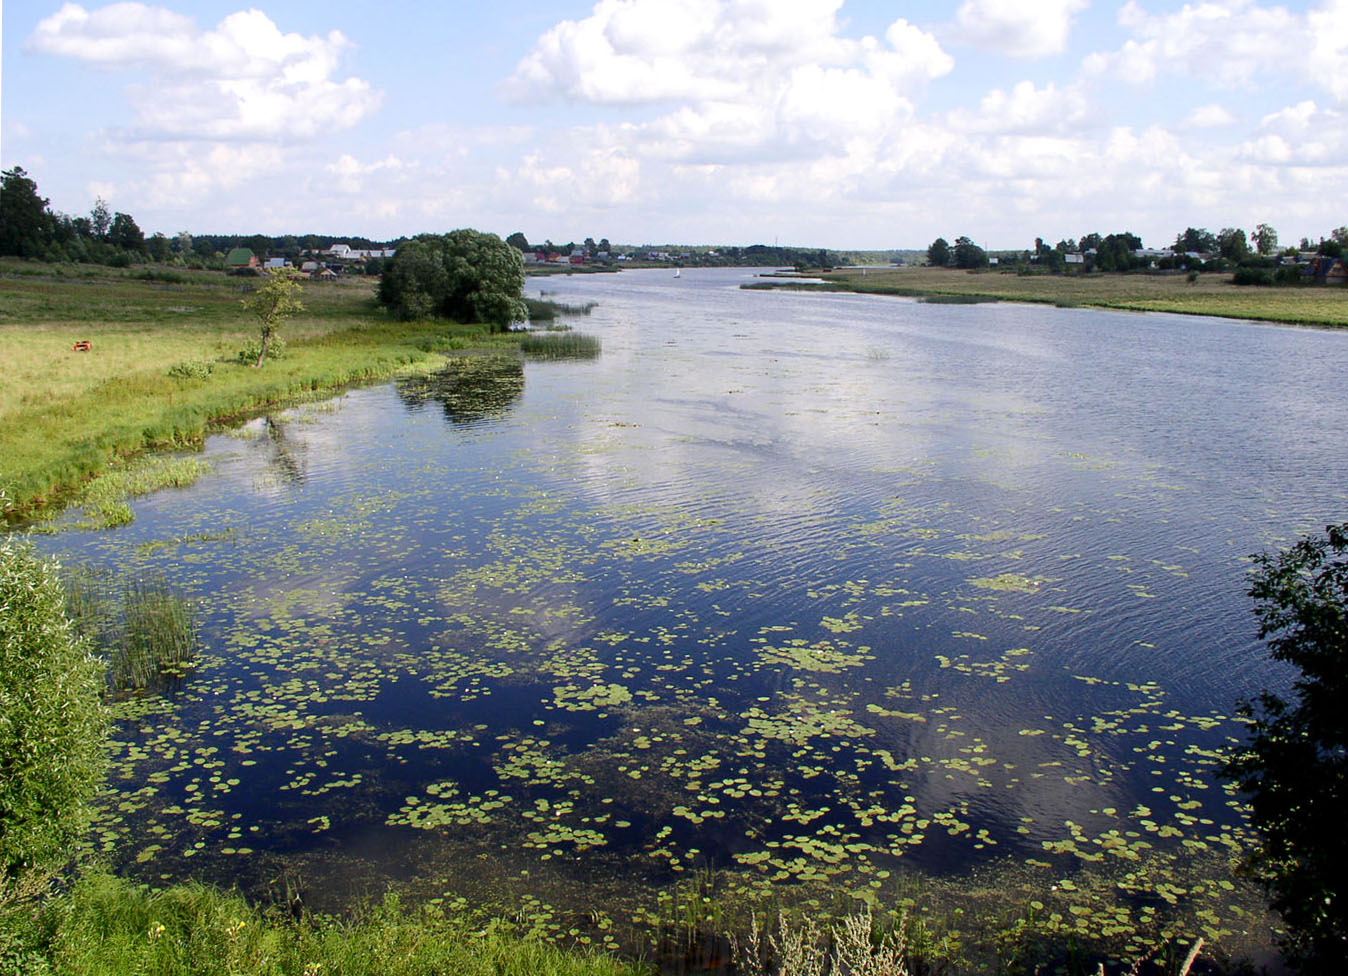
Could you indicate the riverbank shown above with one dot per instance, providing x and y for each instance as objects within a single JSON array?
[
  {"x": 1209, "y": 294},
  {"x": 162, "y": 366}
]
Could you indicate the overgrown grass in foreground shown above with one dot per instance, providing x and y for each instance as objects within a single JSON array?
[
  {"x": 1209, "y": 294},
  {"x": 66, "y": 416},
  {"x": 104, "y": 926}
]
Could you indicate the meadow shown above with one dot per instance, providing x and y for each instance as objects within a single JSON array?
[
  {"x": 1208, "y": 294},
  {"x": 163, "y": 368}
]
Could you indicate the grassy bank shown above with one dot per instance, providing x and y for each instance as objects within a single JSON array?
[
  {"x": 1210, "y": 294},
  {"x": 163, "y": 365},
  {"x": 103, "y": 926}
]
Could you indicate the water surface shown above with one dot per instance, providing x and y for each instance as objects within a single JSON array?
[{"x": 810, "y": 588}]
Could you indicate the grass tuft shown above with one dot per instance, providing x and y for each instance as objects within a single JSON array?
[
  {"x": 145, "y": 628},
  {"x": 560, "y": 345}
]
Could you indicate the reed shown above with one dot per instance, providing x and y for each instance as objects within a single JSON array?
[
  {"x": 145, "y": 628},
  {"x": 560, "y": 345}
]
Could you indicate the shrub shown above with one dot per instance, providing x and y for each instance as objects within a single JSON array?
[
  {"x": 1252, "y": 276},
  {"x": 193, "y": 369},
  {"x": 276, "y": 349},
  {"x": 52, "y": 724}
]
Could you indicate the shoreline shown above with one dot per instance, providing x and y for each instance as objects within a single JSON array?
[{"x": 1320, "y": 306}]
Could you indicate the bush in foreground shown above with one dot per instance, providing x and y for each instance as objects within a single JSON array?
[
  {"x": 52, "y": 724},
  {"x": 1294, "y": 768}
]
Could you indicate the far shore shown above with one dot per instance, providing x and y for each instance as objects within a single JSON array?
[{"x": 1209, "y": 294}]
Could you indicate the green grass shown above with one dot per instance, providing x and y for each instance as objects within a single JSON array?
[
  {"x": 103, "y": 926},
  {"x": 1210, "y": 294},
  {"x": 67, "y": 416}
]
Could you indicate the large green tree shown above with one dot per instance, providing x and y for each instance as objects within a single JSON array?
[
  {"x": 25, "y": 223},
  {"x": 1232, "y": 243},
  {"x": 52, "y": 726},
  {"x": 967, "y": 254},
  {"x": 939, "y": 252},
  {"x": 466, "y": 275},
  {"x": 1294, "y": 767}
]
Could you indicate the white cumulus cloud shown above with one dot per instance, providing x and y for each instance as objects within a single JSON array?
[
  {"x": 1232, "y": 44},
  {"x": 1016, "y": 28},
  {"x": 242, "y": 80}
]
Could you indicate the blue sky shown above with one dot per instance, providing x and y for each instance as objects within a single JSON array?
[{"x": 836, "y": 123}]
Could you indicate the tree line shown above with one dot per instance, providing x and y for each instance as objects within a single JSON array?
[
  {"x": 29, "y": 228},
  {"x": 1195, "y": 248}
]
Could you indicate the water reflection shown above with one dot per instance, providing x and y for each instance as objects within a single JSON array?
[{"x": 469, "y": 390}]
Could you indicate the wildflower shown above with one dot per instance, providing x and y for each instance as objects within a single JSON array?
[{"x": 156, "y": 930}]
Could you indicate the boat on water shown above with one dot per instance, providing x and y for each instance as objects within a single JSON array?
[{"x": 678, "y": 272}]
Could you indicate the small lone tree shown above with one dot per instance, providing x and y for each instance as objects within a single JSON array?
[
  {"x": 1294, "y": 769},
  {"x": 274, "y": 302}
]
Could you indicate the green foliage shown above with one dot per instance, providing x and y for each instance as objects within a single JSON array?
[
  {"x": 24, "y": 221},
  {"x": 1265, "y": 239},
  {"x": 939, "y": 252},
  {"x": 1252, "y": 276},
  {"x": 194, "y": 369},
  {"x": 52, "y": 725},
  {"x": 1232, "y": 243},
  {"x": 465, "y": 275},
  {"x": 256, "y": 350},
  {"x": 967, "y": 254},
  {"x": 1294, "y": 769},
  {"x": 1196, "y": 239},
  {"x": 105, "y": 926},
  {"x": 275, "y": 300}
]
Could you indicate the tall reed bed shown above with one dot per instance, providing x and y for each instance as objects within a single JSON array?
[
  {"x": 560, "y": 345},
  {"x": 145, "y": 628}
]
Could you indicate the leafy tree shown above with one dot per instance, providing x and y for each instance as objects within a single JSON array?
[
  {"x": 100, "y": 218},
  {"x": 273, "y": 302},
  {"x": 969, "y": 255},
  {"x": 25, "y": 224},
  {"x": 518, "y": 241},
  {"x": 1294, "y": 768},
  {"x": 182, "y": 243},
  {"x": 125, "y": 234},
  {"x": 1265, "y": 239},
  {"x": 1340, "y": 234},
  {"x": 939, "y": 252},
  {"x": 466, "y": 275},
  {"x": 52, "y": 727},
  {"x": 1091, "y": 242},
  {"x": 1115, "y": 252},
  {"x": 1232, "y": 243},
  {"x": 159, "y": 248},
  {"x": 1330, "y": 248},
  {"x": 606, "y": 248},
  {"x": 1197, "y": 240}
]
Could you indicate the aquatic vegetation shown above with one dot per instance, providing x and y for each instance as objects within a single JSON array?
[
  {"x": 145, "y": 628},
  {"x": 560, "y": 345}
]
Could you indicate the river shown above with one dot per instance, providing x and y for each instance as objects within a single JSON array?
[{"x": 818, "y": 591}]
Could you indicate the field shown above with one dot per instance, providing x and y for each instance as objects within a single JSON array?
[
  {"x": 1210, "y": 294},
  {"x": 163, "y": 366}
]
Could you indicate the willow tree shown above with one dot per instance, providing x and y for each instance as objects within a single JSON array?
[{"x": 466, "y": 275}]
